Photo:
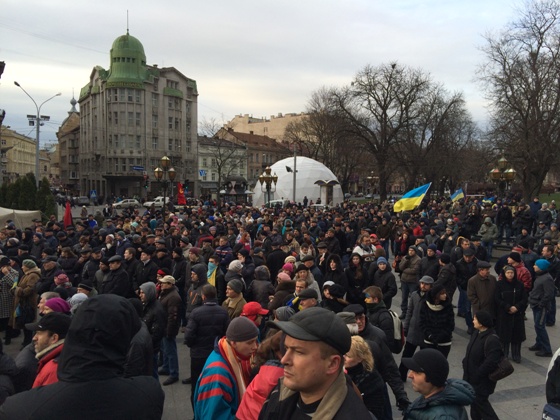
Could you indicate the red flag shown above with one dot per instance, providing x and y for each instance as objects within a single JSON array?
[
  {"x": 181, "y": 194},
  {"x": 68, "y": 215}
]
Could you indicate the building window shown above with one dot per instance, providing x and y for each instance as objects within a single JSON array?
[
  {"x": 116, "y": 118},
  {"x": 110, "y": 141},
  {"x": 170, "y": 123},
  {"x": 154, "y": 143},
  {"x": 123, "y": 164},
  {"x": 116, "y": 141},
  {"x": 115, "y": 95},
  {"x": 116, "y": 165},
  {"x": 170, "y": 145},
  {"x": 154, "y": 121},
  {"x": 138, "y": 119},
  {"x": 137, "y": 96},
  {"x": 121, "y": 95},
  {"x": 256, "y": 158},
  {"x": 204, "y": 163},
  {"x": 177, "y": 122},
  {"x": 213, "y": 176},
  {"x": 241, "y": 165},
  {"x": 213, "y": 163},
  {"x": 131, "y": 118},
  {"x": 138, "y": 141},
  {"x": 204, "y": 177},
  {"x": 129, "y": 95},
  {"x": 177, "y": 145},
  {"x": 188, "y": 144},
  {"x": 154, "y": 99},
  {"x": 170, "y": 103}
]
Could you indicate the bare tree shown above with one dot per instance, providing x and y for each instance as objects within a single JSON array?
[
  {"x": 379, "y": 106},
  {"x": 521, "y": 77}
]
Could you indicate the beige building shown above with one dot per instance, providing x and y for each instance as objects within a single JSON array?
[
  {"x": 130, "y": 117},
  {"x": 273, "y": 127},
  {"x": 17, "y": 154},
  {"x": 68, "y": 152}
]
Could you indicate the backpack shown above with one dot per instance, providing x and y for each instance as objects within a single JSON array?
[{"x": 398, "y": 333}]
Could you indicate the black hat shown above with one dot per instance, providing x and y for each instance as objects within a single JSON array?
[
  {"x": 115, "y": 258},
  {"x": 57, "y": 322},
  {"x": 337, "y": 291},
  {"x": 321, "y": 245},
  {"x": 4, "y": 261},
  {"x": 430, "y": 362},
  {"x": 308, "y": 294},
  {"x": 515, "y": 256},
  {"x": 307, "y": 258},
  {"x": 301, "y": 267},
  {"x": 483, "y": 264},
  {"x": 242, "y": 329},
  {"x": 484, "y": 319},
  {"x": 318, "y": 324},
  {"x": 85, "y": 286},
  {"x": 445, "y": 258},
  {"x": 469, "y": 252},
  {"x": 356, "y": 308},
  {"x": 50, "y": 258}
]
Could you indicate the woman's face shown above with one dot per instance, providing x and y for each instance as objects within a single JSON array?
[
  {"x": 510, "y": 274},
  {"x": 332, "y": 264},
  {"x": 351, "y": 360},
  {"x": 356, "y": 260},
  {"x": 382, "y": 266},
  {"x": 442, "y": 297}
]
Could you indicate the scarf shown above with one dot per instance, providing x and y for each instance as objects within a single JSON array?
[{"x": 234, "y": 362}]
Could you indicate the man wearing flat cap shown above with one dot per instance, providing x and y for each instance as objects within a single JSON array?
[
  {"x": 314, "y": 383},
  {"x": 481, "y": 289},
  {"x": 116, "y": 282},
  {"x": 441, "y": 397}
]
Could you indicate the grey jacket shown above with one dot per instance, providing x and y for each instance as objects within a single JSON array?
[{"x": 412, "y": 330}]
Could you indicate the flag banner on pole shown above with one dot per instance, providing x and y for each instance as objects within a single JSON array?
[
  {"x": 181, "y": 195},
  {"x": 68, "y": 215},
  {"x": 457, "y": 195},
  {"x": 411, "y": 199}
]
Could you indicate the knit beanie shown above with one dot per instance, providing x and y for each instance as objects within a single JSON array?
[
  {"x": 433, "y": 247},
  {"x": 29, "y": 264},
  {"x": 445, "y": 258},
  {"x": 235, "y": 265},
  {"x": 484, "y": 319},
  {"x": 58, "y": 305},
  {"x": 236, "y": 285},
  {"x": 241, "y": 329},
  {"x": 515, "y": 256},
  {"x": 262, "y": 273},
  {"x": 288, "y": 267},
  {"x": 149, "y": 290},
  {"x": 381, "y": 260},
  {"x": 283, "y": 277},
  {"x": 61, "y": 279},
  {"x": 542, "y": 264},
  {"x": 290, "y": 259}
]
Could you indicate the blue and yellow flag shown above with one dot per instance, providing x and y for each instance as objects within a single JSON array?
[
  {"x": 457, "y": 195},
  {"x": 411, "y": 199}
]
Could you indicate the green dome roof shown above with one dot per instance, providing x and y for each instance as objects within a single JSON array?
[{"x": 128, "y": 63}]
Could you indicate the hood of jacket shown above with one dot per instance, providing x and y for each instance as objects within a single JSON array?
[
  {"x": 97, "y": 342},
  {"x": 201, "y": 271},
  {"x": 456, "y": 392},
  {"x": 149, "y": 290}
]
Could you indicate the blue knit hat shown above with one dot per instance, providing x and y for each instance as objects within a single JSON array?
[
  {"x": 381, "y": 260},
  {"x": 542, "y": 264}
]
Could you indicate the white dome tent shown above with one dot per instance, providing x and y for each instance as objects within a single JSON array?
[{"x": 309, "y": 172}]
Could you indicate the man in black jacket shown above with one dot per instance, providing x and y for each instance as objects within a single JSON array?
[
  {"x": 147, "y": 270},
  {"x": 91, "y": 364},
  {"x": 116, "y": 282},
  {"x": 155, "y": 318},
  {"x": 205, "y": 324}
]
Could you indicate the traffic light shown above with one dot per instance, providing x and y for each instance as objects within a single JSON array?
[{"x": 146, "y": 182}]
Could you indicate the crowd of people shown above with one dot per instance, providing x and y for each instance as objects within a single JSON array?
[{"x": 288, "y": 312}]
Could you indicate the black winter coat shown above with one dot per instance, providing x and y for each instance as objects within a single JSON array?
[
  {"x": 206, "y": 323},
  {"x": 154, "y": 316},
  {"x": 484, "y": 351},
  {"x": 259, "y": 291},
  {"x": 146, "y": 272},
  {"x": 358, "y": 280},
  {"x": 140, "y": 357},
  {"x": 117, "y": 283},
  {"x": 510, "y": 327},
  {"x": 437, "y": 322},
  {"x": 385, "y": 280}
]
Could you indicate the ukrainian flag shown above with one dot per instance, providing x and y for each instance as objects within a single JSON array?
[
  {"x": 411, "y": 199},
  {"x": 457, "y": 195}
]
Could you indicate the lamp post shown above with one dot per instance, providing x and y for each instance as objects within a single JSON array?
[
  {"x": 164, "y": 175},
  {"x": 503, "y": 175},
  {"x": 268, "y": 182},
  {"x": 38, "y": 120}
]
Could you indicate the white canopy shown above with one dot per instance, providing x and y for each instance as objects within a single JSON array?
[
  {"x": 309, "y": 171},
  {"x": 21, "y": 218}
]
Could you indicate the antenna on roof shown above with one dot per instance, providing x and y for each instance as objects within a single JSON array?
[{"x": 127, "y": 22}]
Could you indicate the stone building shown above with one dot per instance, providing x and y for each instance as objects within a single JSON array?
[
  {"x": 68, "y": 152},
  {"x": 130, "y": 117},
  {"x": 17, "y": 155},
  {"x": 273, "y": 127}
]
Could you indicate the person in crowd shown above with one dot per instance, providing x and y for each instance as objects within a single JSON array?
[
  {"x": 25, "y": 302},
  {"x": 447, "y": 275},
  {"x": 225, "y": 376},
  {"x": 440, "y": 397},
  {"x": 155, "y": 318},
  {"x": 378, "y": 314},
  {"x": 314, "y": 381},
  {"x": 8, "y": 278},
  {"x": 117, "y": 281},
  {"x": 91, "y": 364},
  {"x": 511, "y": 303},
  {"x": 539, "y": 299},
  {"x": 171, "y": 303},
  {"x": 483, "y": 354},
  {"x": 235, "y": 300},
  {"x": 357, "y": 278},
  {"x": 284, "y": 289},
  {"x": 140, "y": 356},
  {"x": 481, "y": 289},
  {"x": 412, "y": 331},
  {"x": 385, "y": 280},
  {"x": 261, "y": 288},
  {"x": 437, "y": 320},
  {"x": 488, "y": 233},
  {"x": 306, "y": 299},
  {"x": 410, "y": 274},
  {"x": 429, "y": 265},
  {"x": 48, "y": 341},
  {"x": 359, "y": 365}
]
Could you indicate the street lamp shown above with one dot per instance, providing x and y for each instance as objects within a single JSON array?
[
  {"x": 164, "y": 175},
  {"x": 503, "y": 175},
  {"x": 268, "y": 182},
  {"x": 38, "y": 120}
]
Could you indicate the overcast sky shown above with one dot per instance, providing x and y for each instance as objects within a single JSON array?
[{"x": 248, "y": 57}]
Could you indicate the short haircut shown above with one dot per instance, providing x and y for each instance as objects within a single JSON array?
[
  {"x": 215, "y": 258},
  {"x": 209, "y": 291},
  {"x": 327, "y": 351},
  {"x": 131, "y": 251},
  {"x": 374, "y": 292},
  {"x": 49, "y": 295}
]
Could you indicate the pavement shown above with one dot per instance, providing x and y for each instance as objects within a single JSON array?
[{"x": 520, "y": 396}]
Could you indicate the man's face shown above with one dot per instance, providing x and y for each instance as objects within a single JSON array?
[
  {"x": 245, "y": 348},
  {"x": 144, "y": 257},
  {"x": 361, "y": 322},
  {"x": 142, "y": 296},
  {"x": 114, "y": 265},
  {"x": 305, "y": 370},
  {"x": 166, "y": 285},
  {"x": 300, "y": 285},
  {"x": 230, "y": 293},
  {"x": 411, "y": 252},
  {"x": 431, "y": 253},
  {"x": 419, "y": 383},
  {"x": 43, "y": 339},
  {"x": 307, "y": 303},
  {"x": 48, "y": 265},
  {"x": 484, "y": 272},
  {"x": 425, "y": 287},
  {"x": 127, "y": 255},
  {"x": 41, "y": 305},
  {"x": 465, "y": 244}
]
